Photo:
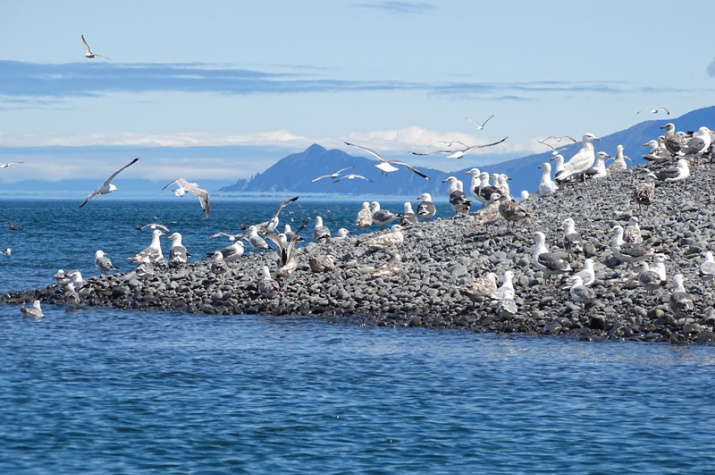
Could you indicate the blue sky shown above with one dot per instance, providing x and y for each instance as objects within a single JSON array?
[{"x": 273, "y": 77}]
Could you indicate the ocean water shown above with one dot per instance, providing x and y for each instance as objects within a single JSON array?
[{"x": 97, "y": 390}]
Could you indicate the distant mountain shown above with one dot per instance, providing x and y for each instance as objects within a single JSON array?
[{"x": 295, "y": 172}]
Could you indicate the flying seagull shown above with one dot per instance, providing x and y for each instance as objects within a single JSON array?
[
  {"x": 272, "y": 223},
  {"x": 352, "y": 176},
  {"x": 13, "y": 226},
  {"x": 654, "y": 111},
  {"x": 107, "y": 186},
  {"x": 331, "y": 175},
  {"x": 386, "y": 165},
  {"x": 89, "y": 54},
  {"x": 461, "y": 152},
  {"x": 152, "y": 226},
  {"x": 7, "y": 164},
  {"x": 480, "y": 126},
  {"x": 194, "y": 189}
]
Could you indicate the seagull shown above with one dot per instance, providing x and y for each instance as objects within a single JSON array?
[
  {"x": 408, "y": 217},
  {"x": 489, "y": 215},
  {"x": 547, "y": 262},
  {"x": 256, "y": 241},
  {"x": 680, "y": 303},
  {"x": 218, "y": 265},
  {"x": 320, "y": 231},
  {"x": 506, "y": 288},
  {"x": 177, "y": 252},
  {"x": 382, "y": 216},
  {"x": 426, "y": 209},
  {"x": 461, "y": 152},
  {"x": 480, "y": 288},
  {"x": 80, "y": 284},
  {"x": 619, "y": 162},
  {"x": 13, "y": 226},
  {"x": 89, "y": 54},
  {"x": 648, "y": 278},
  {"x": 599, "y": 169},
  {"x": 632, "y": 233},
  {"x": 352, "y": 176},
  {"x": 267, "y": 286},
  {"x": 233, "y": 251},
  {"x": 579, "y": 292},
  {"x": 511, "y": 211},
  {"x": 342, "y": 234},
  {"x": 698, "y": 144},
  {"x": 644, "y": 192},
  {"x": 331, "y": 175},
  {"x": 474, "y": 184},
  {"x": 587, "y": 275},
  {"x": 231, "y": 237},
  {"x": 625, "y": 252},
  {"x": 485, "y": 189},
  {"x": 554, "y": 151},
  {"x": 107, "y": 186},
  {"x": 654, "y": 111},
  {"x": 152, "y": 226},
  {"x": 193, "y": 188},
  {"x": 7, "y": 164},
  {"x": 393, "y": 238},
  {"x": 386, "y": 165},
  {"x": 102, "y": 262},
  {"x": 364, "y": 217},
  {"x": 321, "y": 263},
  {"x": 286, "y": 252},
  {"x": 658, "y": 152},
  {"x": 559, "y": 159},
  {"x": 6, "y": 252},
  {"x": 480, "y": 126},
  {"x": 289, "y": 233},
  {"x": 457, "y": 199},
  {"x": 581, "y": 161},
  {"x": 152, "y": 253},
  {"x": 272, "y": 223},
  {"x": 32, "y": 312},
  {"x": 707, "y": 267},
  {"x": 572, "y": 241},
  {"x": 680, "y": 172},
  {"x": 546, "y": 185},
  {"x": 672, "y": 141}
]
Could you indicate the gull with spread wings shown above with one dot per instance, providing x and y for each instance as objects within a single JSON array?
[
  {"x": 107, "y": 186},
  {"x": 461, "y": 152},
  {"x": 193, "y": 188},
  {"x": 480, "y": 126},
  {"x": 89, "y": 54},
  {"x": 331, "y": 175},
  {"x": 386, "y": 165}
]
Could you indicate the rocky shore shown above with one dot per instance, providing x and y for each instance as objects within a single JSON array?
[{"x": 441, "y": 256}]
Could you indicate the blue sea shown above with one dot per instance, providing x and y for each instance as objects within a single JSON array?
[{"x": 95, "y": 390}]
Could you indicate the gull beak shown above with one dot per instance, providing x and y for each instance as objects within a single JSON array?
[{"x": 419, "y": 197}]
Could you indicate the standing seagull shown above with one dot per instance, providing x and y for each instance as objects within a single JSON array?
[
  {"x": 408, "y": 217},
  {"x": 382, "y": 216},
  {"x": 267, "y": 286},
  {"x": 579, "y": 292},
  {"x": 177, "y": 252},
  {"x": 572, "y": 240},
  {"x": 426, "y": 209},
  {"x": 672, "y": 141},
  {"x": 457, "y": 199},
  {"x": 89, "y": 54},
  {"x": 386, "y": 165},
  {"x": 619, "y": 162},
  {"x": 707, "y": 268},
  {"x": 320, "y": 231},
  {"x": 547, "y": 262},
  {"x": 102, "y": 262},
  {"x": 194, "y": 189},
  {"x": 546, "y": 185},
  {"x": 364, "y": 217},
  {"x": 107, "y": 186},
  {"x": 151, "y": 254},
  {"x": 644, "y": 192},
  {"x": 581, "y": 161},
  {"x": 599, "y": 169},
  {"x": 625, "y": 252}
]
